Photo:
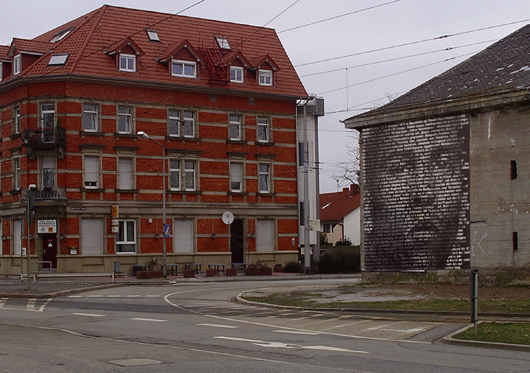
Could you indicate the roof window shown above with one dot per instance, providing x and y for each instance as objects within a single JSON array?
[
  {"x": 58, "y": 59},
  {"x": 60, "y": 35},
  {"x": 222, "y": 42},
  {"x": 152, "y": 35}
]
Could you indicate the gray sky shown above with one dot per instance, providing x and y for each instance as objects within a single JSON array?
[{"x": 389, "y": 23}]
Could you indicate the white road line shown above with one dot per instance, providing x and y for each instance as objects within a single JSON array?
[
  {"x": 219, "y": 326},
  {"x": 75, "y": 296},
  {"x": 113, "y": 296},
  {"x": 295, "y": 332},
  {"x": 142, "y": 319},
  {"x": 133, "y": 296},
  {"x": 88, "y": 314},
  {"x": 2, "y": 302},
  {"x": 152, "y": 296},
  {"x": 31, "y": 304},
  {"x": 95, "y": 296},
  {"x": 41, "y": 308}
]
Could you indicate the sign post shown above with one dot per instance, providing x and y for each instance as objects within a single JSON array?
[{"x": 474, "y": 297}]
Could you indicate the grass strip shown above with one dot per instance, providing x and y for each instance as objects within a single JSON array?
[{"x": 514, "y": 333}]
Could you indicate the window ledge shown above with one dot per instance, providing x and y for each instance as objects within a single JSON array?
[
  {"x": 126, "y": 190},
  {"x": 263, "y": 194},
  {"x": 265, "y": 143},
  {"x": 238, "y": 142},
  {"x": 15, "y": 136},
  {"x": 183, "y": 138},
  {"x": 197, "y": 192},
  {"x": 91, "y": 133},
  {"x": 232, "y": 193},
  {"x": 128, "y": 135},
  {"x": 97, "y": 190}
]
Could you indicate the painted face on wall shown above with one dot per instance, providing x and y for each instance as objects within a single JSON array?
[{"x": 415, "y": 199}]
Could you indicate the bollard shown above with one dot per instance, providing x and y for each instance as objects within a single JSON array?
[{"x": 474, "y": 297}]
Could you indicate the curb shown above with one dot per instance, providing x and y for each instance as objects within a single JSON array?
[{"x": 449, "y": 340}]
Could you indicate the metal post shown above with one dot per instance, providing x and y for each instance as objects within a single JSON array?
[
  {"x": 307, "y": 243},
  {"x": 474, "y": 297}
]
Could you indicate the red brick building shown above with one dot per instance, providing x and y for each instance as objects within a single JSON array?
[{"x": 219, "y": 101}]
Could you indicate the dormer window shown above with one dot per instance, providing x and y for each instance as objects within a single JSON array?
[
  {"x": 17, "y": 64},
  {"x": 152, "y": 35},
  {"x": 185, "y": 69},
  {"x": 222, "y": 42},
  {"x": 127, "y": 62},
  {"x": 265, "y": 77},
  {"x": 237, "y": 74}
]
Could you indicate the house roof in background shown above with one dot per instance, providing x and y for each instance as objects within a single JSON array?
[
  {"x": 335, "y": 206},
  {"x": 91, "y": 35}
]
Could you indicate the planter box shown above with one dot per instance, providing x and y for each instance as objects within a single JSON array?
[
  {"x": 231, "y": 272},
  {"x": 211, "y": 272},
  {"x": 189, "y": 273},
  {"x": 144, "y": 275}
]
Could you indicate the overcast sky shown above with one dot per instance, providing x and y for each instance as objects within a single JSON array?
[{"x": 354, "y": 46}]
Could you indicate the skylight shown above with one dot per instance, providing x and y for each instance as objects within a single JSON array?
[
  {"x": 223, "y": 42},
  {"x": 152, "y": 35},
  {"x": 60, "y": 35},
  {"x": 58, "y": 59}
]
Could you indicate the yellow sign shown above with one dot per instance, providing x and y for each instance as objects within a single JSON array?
[{"x": 115, "y": 211}]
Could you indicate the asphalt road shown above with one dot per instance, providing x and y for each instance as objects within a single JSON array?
[{"x": 196, "y": 327}]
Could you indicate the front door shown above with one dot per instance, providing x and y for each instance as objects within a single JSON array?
[
  {"x": 49, "y": 250},
  {"x": 237, "y": 241}
]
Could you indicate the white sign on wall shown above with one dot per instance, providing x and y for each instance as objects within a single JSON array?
[{"x": 47, "y": 226}]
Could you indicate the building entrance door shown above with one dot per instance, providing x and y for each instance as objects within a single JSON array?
[
  {"x": 237, "y": 241},
  {"x": 49, "y": 249}
]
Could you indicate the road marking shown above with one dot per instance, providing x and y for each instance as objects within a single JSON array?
[
  {"x": 295, "y": 332},
  {"x": 88, "y": 314},
  {"x": 290, "y": 345},
  {"x": 75, "y": 296},
  {"x": 219, "y": 326},
  {"x": 133, "y": 296},
  {"x": 41, "y": 308},
  {"x": 152, "y": 296},
  {"x": 31, "y": 304},
  {"x": 2, "y": 302},
  {"x": 142, "y": 319},
  {"x": 113, "y": 296},
  {"x": 94, "y": 296}
]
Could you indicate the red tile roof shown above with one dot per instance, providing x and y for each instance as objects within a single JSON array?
[
  {"x": 335, "y": 206},
  {"x": 99, "y": 30}
]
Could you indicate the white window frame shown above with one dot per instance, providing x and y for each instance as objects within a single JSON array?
[
  {"x": 183, "y": 174},
  {"x": 91, "y": 177},
  {"x": 237, "y": 74},
  {"x": 128, "y": 117},
  {"x": 264, "y": 133},
  {"x": 48, "y": 167},
  {"x": 17, "y": 64},
  {"x": 45, "y": 111},
  {"x": 124, "y": 238},
  {"x": 184, "y": 68},
  {"x": 236, "y": 176},
  {"x": 174, "y": 174},
  {"x": 16, "y": 128},
  {"x": 234, "y": 127},
  {"x": 173, "y": 122},
  {"x": 190, "y": 174},
  {"x": 264, "y": 173},
  {"x": 129, "y": 60},
  {"x": 91, "y": 110},
  {"x": 265, "y": 77},
  {"x": 125, "y": 173},
  {"x": 16, "y": 173},
  {"x": 187, "y": 123}
]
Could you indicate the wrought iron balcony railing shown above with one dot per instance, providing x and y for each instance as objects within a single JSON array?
[{"x": 44, "y": 138}]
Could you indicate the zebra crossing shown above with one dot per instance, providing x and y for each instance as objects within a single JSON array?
[{"x": 24, "y": 304}]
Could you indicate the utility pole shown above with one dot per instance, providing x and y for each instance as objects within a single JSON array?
[{"x": 307, "y": 243}]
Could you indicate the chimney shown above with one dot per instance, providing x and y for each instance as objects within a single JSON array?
[{"x": 354, "y": 189}]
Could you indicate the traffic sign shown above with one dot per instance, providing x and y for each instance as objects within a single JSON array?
[{"x": 166, "y": 230}]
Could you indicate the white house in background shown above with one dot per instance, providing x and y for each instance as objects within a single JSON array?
[
  {"x": 308, "y": 112},
  {"x": 340, "y": 215}
]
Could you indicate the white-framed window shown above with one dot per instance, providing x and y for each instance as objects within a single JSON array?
[
  {"x": 185, "y": 69},
  {"x": 263, "y": 129},
  {"x": 92, "y": 237},
  {"x": 16, "y": 173},
  {"x": 237, "y": 74},
  {"x": 91, "y": 172},
  {"x": 188, "y": 127},
  {"x": 125, "y": 173},
  {"x": 183, "y": 236},
  {"x": 47, "y": 111},
  {"x": 236, "y": 177},
  {"x": 173, "y": 122},
  {"x": 16, "y": 128},
  {"x": 127, "y": 62},
  {"x": 264, "y": 235},
  {"x": 234, "y": 127},
  {"x": 265, "y": 77},
  {"x": 58, "y": 59},
  {"x": 264, "y": 176},
  {"x": 124, "y": 119},
  {"x": 182, "y": 174},
  {"x": 126, "y": 240},
  {"x": 152, "y": 35},
  {"x": 48, "y": 171},
  {"x": 17, "y": 240},
  {"x": 90, "y": 117},
  {"x": 17, "y": 64}
]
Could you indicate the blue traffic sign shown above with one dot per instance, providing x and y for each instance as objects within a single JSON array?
[{"x": 166, "y": 230}]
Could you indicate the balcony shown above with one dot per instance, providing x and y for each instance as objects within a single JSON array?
[
  {"x": 49, "y": 138},
  {"x": 46, "y": 194}
]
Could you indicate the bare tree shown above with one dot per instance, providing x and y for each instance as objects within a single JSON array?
[{"x": 350, "y": 170}]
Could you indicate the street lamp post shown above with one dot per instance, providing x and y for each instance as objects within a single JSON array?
[{"x": 142, "y": 135}]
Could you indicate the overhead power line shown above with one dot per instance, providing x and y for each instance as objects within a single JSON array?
[{"x": 410, "y": 43}]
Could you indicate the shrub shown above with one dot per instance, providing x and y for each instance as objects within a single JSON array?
[
  {"x": 292, "y": 267},
  {"x": 342, "y": 259},
  {"x": 258, "y": 269}
]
